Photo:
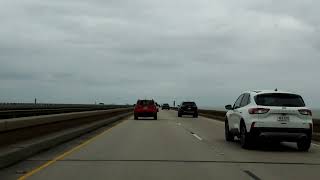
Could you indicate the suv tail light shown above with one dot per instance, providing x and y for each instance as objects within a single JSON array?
[
  {"x": 258, "y": 110},
  {"x": 306, "y": 112}
]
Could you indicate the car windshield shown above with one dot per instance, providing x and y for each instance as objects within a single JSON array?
[
  {"x": 279, "y": 99},
  {"x": 189, "y": 104},
  {"x": 145, "y": 102}
]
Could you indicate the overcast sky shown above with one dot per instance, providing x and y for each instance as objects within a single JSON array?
[{"x": 115, "y": 51}]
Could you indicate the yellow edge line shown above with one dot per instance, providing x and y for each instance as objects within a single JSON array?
[{"x": 64, "y": 154}]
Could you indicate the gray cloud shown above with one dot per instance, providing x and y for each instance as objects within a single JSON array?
[
  {"x": 16, "y": 76},
  {"x": 120, "y": 50}
]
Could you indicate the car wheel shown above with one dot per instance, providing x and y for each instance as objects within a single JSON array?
[
  {"x": 179, "y": 115},
  {"x": 155, "y": 117},
  {"x": 304, "y": 144},
  {"x": 244, "y": 137},
  {"x": 229, "y": 137},
  {"x": 136, "y": 117}
]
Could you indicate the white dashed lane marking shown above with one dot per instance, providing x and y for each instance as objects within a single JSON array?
[{"x": 196, "y": 136}]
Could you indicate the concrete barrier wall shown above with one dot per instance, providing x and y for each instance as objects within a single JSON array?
[
  {"x": 42, "y": 137},
  {"x": 18, "y": 123},
  {"x": 2, "y": 126},
  {"x": 17, "y": 111},
  {"x": 13, "y": 131}
]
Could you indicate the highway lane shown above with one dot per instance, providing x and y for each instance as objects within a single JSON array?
[{"x": 178, "y": 148}]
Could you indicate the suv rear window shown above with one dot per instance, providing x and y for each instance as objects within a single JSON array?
[
  {"x": 189, "y": 104},
  {"x": 145, "y": 102},
  {"x": 279, "y": 99}
]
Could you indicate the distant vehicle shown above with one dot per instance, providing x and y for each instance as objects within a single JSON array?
[
  {"x": 165, "y": 106},
  {"x": 188, "y": 108},
  {"x": 145, "y": 108},
  {"x": 273, "y": 115}
]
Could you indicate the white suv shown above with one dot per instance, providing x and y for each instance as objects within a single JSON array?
[{"x": 272, "y": 115}]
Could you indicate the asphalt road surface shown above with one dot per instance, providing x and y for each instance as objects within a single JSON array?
[{"x": 167, "y": 148}]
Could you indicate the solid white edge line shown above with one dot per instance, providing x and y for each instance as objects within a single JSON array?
[{"x": 198, "y": 137}]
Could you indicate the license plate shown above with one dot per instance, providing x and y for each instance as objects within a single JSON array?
[
  {"x": 189, "y": 108},
  {"x": 284, "y": 118},
  {"x": 145, "y": 108}
]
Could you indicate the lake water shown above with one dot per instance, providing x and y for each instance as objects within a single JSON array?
[{"x": 316, "y": 113}]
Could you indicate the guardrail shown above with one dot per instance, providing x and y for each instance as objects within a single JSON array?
[
  {"x": 215, "y": 114},
  {"x": 24, "y": 106},
  {"x": 23, "y": 110}
]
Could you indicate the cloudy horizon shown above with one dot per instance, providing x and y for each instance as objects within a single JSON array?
[{"x": 115, "y": 51}]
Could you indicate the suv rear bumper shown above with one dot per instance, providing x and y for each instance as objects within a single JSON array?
[
  {"x": 145, "y": 114},
  {"x": 281, "y": 134},
  {"x": 188, "y": 112}
]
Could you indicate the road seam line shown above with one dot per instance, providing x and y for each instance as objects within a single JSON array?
[
  {"x": 58, "y": 158},
  {"x": 252, "y": 175}
]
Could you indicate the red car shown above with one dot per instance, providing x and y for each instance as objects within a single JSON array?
[{"x": 145, "y": 108}]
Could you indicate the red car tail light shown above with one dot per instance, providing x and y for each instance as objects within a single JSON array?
[
  {"x": 258, "y": 110},
  {"x": 138, "y": 107},
  {"x": 306, "y": 112},
  {"x": 154, "y": 107}
]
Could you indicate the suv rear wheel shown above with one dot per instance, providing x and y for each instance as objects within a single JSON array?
[
  {"x": 179, "y": 114},
  {"x": 304, "y": 144},
  {"x": 155, "y": 117},
  {"x": 195, "y": 115},
  {"x": 244, "y": 137},
  {"x": 228, "y": 135}
]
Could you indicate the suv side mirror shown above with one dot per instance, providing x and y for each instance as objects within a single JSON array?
[{"x": 228, "y": 107}]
